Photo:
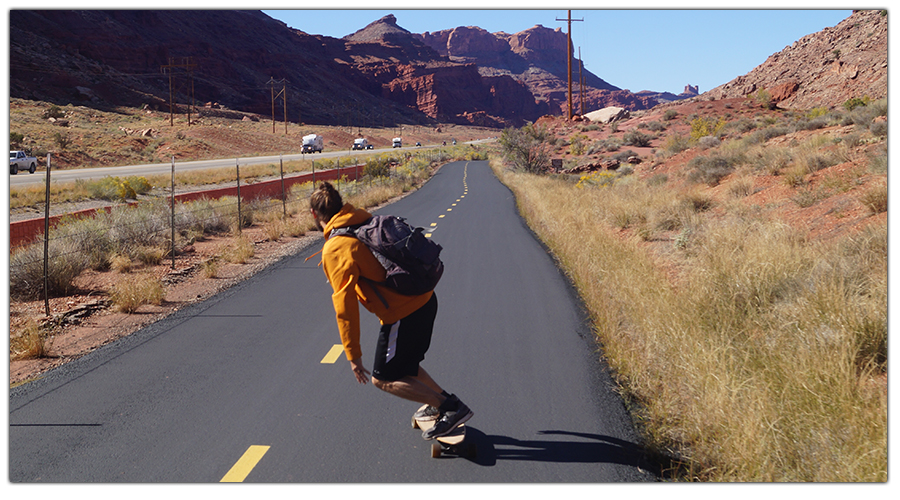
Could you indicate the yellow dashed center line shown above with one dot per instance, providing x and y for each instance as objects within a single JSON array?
[
  {"x": 333, "y": 354},
  {"x": 247, "y": 462}
]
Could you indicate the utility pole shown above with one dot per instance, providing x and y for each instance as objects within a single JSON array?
[
  {"x": 580, "y": 82},
  {"x": 283, "y": 94},
  {"x": 569, "y": 59},
  {"x": 187, "y": 64}
]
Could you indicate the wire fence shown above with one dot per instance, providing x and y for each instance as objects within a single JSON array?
[{"x": 153, "y": 230}]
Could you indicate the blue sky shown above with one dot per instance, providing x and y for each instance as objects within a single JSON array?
[{"x": 646, "y": 49}]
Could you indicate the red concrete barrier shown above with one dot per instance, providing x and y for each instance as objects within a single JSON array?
[{"x": 26, "y": 231}]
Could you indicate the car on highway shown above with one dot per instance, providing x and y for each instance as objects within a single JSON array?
[{"x": 19, "y": 160}]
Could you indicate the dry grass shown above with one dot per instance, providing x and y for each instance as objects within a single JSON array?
[
  {"x": 239, "y": 251},
  {"x": 29, "y": 342},
  {"x": 131, "y": 292},
  {"x": 756, "y": 363}
]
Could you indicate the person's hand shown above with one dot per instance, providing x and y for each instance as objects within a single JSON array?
[{"x": 359, "y": 371}]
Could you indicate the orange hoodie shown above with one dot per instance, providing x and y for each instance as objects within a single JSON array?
[{"x": 344, "y": 260}]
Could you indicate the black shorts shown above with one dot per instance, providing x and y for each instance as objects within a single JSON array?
[{"x": 402, "y": 345}]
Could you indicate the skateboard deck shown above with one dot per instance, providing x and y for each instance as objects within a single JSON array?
[{"x": 450, "y": 444}]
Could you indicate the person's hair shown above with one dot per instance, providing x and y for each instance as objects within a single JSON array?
[{"x": 326, "y": 201}]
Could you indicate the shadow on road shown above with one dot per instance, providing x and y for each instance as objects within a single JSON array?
[{"x": 578, "y": 448}]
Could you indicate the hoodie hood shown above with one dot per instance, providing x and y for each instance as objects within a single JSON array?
[{"x": 348, "y": 216}]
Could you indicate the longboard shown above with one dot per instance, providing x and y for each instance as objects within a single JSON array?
[{"x": 451, "y": 444}]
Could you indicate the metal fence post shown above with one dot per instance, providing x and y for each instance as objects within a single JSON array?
[
  {"x": 238, "y": 169},
  {"x": 173, "y": 212},
  {"x": 47, "y": 243},
  {"x": 283, "y": 194}
]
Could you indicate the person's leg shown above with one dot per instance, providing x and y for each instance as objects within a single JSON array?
[{"x": 411, "y": 388}]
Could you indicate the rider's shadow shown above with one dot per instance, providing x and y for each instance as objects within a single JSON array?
[{"x": 584, "y": 448}]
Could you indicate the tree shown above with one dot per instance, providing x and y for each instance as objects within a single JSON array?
[{"x": 526, "y": 148}]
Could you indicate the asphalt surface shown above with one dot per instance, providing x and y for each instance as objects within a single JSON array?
[{"x": 240, "y": 387}]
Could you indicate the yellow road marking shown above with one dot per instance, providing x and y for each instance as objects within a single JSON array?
[
  {"x": 433, "y": 224},
  {"x": 247, "y": 462},
  {"x": 440, "y": 216},
  {"x": 428, "y": 235},
  {"x": 333, "y": 354},
  {"x": 449, "y": 209}
]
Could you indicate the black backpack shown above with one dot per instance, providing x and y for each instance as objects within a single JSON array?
[{"x": 411, "y": 260}]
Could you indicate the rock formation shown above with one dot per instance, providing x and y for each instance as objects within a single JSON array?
[{"x": 824, "y": 68}]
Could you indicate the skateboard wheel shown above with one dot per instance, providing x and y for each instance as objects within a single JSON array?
[
  {"x": 435, "y": 450},
  {"x": 415, "y": 424}
]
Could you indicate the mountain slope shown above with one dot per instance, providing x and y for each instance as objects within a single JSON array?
[{"x": 822, "y": 69}]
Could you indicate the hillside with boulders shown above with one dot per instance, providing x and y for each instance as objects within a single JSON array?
[{"x": 822, "y": 69}]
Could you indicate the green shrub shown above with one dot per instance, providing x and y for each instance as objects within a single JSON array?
[
  {"x": 15, "y": 139},
  {"x": 377, "y": 167},
  {"x": 636, "y": 138},
  {"x": 526, "y": 148},
  {"x": 670, "y": 115},
  {"x": 856, "y": 102}
]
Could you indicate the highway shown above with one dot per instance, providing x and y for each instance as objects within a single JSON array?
[
  {"x": 23, "y": 179},
  {"x": 243, "y": 387}
]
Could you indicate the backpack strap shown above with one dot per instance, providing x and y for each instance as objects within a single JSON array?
[{"x": 351, "y": 231}]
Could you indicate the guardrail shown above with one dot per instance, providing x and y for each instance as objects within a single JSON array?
[{"x": 26, "y": 231}]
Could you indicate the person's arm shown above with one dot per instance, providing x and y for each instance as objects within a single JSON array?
[{"x": 343, "y": 275}]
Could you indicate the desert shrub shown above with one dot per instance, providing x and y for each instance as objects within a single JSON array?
[
  {"x": 140, "y": 185},
  {"x": 526, "y": 148},
  {"x": 879, "y": 128},
  {"x": 771, "y": 160},
  {"x": 624, "y": 155},
  {"x": 710, "y": 169},
  {"x": 655, "y": 126},
  {"x": 15, "y": 139},
  {"x": 856, "y": 102},
  {"x": 811, "y": 124},
  {"x": 636, "y": 138},
  {"x": 576, "y": 144},
  {"x": 110, "y": 188},
  {"x": 608, "y": 144},
  {"x": 708, "y": 142},
  {"x": 675, "y": 144},
  {"x": 764, "y": 134},
  {"x": 670, "y": 115},
  {"x": 61, "y": 140},
  {"x": 741, "y": 126},
  {"x": 377, "y": 167},
  {"x": 26, "y": 270},
  {"x": 702, "y": 127},
  {"x": 53, "y": 111},
  {"x": 876, "y": 198},
  {"x": 764, "y": 98}
]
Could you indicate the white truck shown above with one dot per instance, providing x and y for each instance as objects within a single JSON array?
[
  {"x": 361, "y": 143},
  {"x": 312, "y": 143},
  {"x": 398, "y": 142},
  {"x": 18, "y": 160}
]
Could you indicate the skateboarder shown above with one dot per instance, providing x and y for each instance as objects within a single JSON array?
[{"x": 406, "y": 321}]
